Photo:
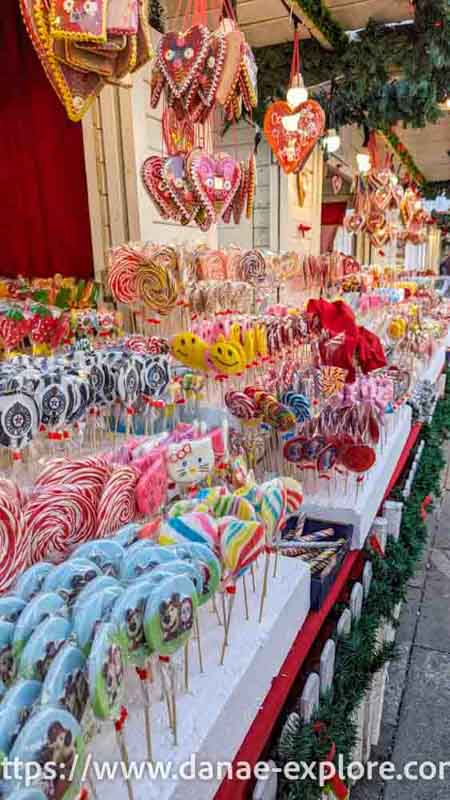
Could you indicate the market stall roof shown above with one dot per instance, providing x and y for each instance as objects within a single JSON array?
[
  {"x": 268, "y": 22},
  {"x": 429, "y": 147}
]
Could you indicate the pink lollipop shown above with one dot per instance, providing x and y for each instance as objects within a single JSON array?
[
  {"x": 117, "y": 504},
  {"x": 240, "y": 405},
  {"x": 57, "y": 519},
  {"x": 151, "y": 490}
]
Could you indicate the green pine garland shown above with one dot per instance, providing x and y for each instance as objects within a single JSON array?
[
  {"x": 320, "y": 16},
  {"x": 359, "y": 657},
  {"x": 365, "y": 92}
]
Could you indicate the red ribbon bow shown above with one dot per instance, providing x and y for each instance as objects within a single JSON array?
[
  {"x": 303, "y": 228},
  {"x": 375, "y": 545}
]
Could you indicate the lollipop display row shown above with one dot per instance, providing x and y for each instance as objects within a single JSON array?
[
  {"x": 59, "y": 291},
  {"x": 69, "y": 633},
  {"x": 170, "y": 275}
]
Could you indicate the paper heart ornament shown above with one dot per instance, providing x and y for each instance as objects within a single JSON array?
[
  {"x": 336, "y": 183},
  {"x": 175, "y": 178},
  {"x": 181, "y": 57},
  {"x": 292, "y": 150},
  {"x": 216, "y": 180}
]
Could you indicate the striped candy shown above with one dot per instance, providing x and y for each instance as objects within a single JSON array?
[
  {"x": 273, "y": 508},
  {"x": 196, "y": 527},
  {"x": 294, "y": 494},
  {"x": 240, "y": 545}
]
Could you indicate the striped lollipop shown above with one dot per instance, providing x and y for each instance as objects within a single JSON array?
[
  {"x": 234, "y": 506},
  {"x": 294, "y": 494},
  {"x": 240, "y": 545},
  {"x": 196, "y": 527},
  {"x": 273, "y": 507},
  {"x": 299, "y": 405}
]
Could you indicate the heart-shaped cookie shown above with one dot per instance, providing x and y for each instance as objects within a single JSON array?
[
  {"x": 292, "y": 149},
  {"x": 336, "y": 183},
  {"x": 157, "y": 189},
  {"x": 241, "y": 195},
  {"x": 178, "y": 134},
  {"x": 354, "y": 222},
  {"x": 382, "y": 197},
  {"x": 202, "y": 93},
  {"x": 175, "y": 177},
  {"x": 232, "y": 66},
  {"x": 157, "y": 84},
  {"x": 215, "y": 179},
  {"x": 181, "y": 57}
]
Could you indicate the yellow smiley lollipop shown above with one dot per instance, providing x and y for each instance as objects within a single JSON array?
[
  {"x": 227, "y": 356},
  {"x": 188, "y": 348}
]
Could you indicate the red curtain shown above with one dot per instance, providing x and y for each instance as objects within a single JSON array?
[
  {"x": 44, "y": 215},
  {"x": 333, "y": 213}
]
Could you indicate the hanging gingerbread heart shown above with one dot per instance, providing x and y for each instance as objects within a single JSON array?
[
  {"x": 382, "y": 197},
  {"x": 202, "y": 94},
  {"x": 232, "y": 66},
  {"x": 157, "y": 83},
  {"x": 157, "y": 189},
  {"x": 336, "y": 183},
  {"x": 292, "y": 149},
  {"x": 178, "y": 134},
  {"x": 181, "y": 57},
  {"x": 241, "y": 194},
  {"x": 216, "y": 180},
  {"x": 248, "y": 79},
  {"x": 176, "y": 179}
]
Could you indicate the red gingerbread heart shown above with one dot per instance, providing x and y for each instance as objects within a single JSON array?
[
  {"x": 157, "y": 189},
  {"x": 292, "y": 149},
  {"x": 181, "y": 57},
  {"x": 176, "y": 180},
  {"x": 202, "y": 94},
  {"x": 216, "y": 180}
]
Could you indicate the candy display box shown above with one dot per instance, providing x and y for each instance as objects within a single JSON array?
[{"x": 321, "y": 587}]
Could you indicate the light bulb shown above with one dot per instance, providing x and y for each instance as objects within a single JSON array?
[
  {"x": 394, "y": 180},
  {"x": 332, "y": 141},
  {"x": 290, "y": 122},
  {"x": 297, "y": 93},
  {"x": 447, "y": 103},
  {"x": 363, "y": 161}
]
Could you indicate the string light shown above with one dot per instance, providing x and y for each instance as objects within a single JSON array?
[{"x": 332, "y": 141}]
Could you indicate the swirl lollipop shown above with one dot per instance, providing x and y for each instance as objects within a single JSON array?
[
  {"x": 122, "y": 277},
  {"x": 157, "y": 287}
]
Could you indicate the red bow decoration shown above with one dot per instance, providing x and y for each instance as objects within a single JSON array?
[
  {"x": 303, "y": 229},
  {"x": 335, "y": 784},
  {"x": 424, "y": 507},
  {"x": 120, "y": 722},
  {"x": 142, "y": 673},
  {"x": 376, "y": 546}
]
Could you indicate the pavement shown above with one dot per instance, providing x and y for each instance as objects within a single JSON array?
[{"x": 416, "y": 715}]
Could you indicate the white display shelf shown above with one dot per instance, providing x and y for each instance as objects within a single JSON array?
[
  {"x": 433, "y": 368},
  {"x": 216, "y": 713},
  {"x": 342, "y": 503}
]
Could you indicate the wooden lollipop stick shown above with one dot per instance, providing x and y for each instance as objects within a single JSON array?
[
  {"x": 252, "y": 572},
  {"x": 227, "y": 623},
  {"x": 247, "y": 613},
  {"x": 264, "y": 586},
  {"x": 173, "y": 692},
  {"x": 199, "y": 643},
  {"x": 216, "y": 610},
  {"x": 147, "y": 719},
  {"x": 186, "y": 666},
  {"x": 91, "y": 784},
  {"x": 124, "y": 756},
  {"x": 275, "y": 566},
  {"x": 166, "y": 694}
]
